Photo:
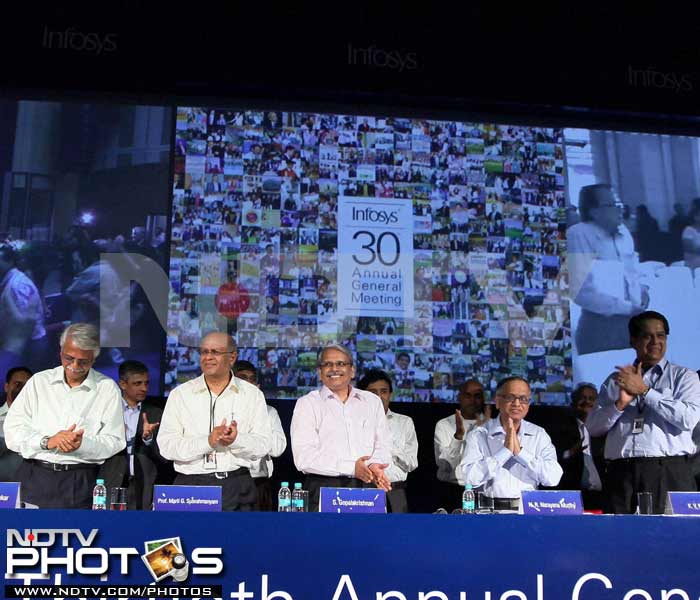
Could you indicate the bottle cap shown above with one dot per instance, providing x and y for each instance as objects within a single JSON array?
[
  {"x": 100, "y": 482},
  {"x": 297, "y": 486},
  {"x": 468, "y": 486},
  {"x": 179, "y": 561},
  {"x": 285, "y": 484}
]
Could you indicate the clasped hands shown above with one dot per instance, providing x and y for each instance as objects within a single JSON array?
[
  {"x": 511, "y": 442},
  {"x": 223, "y": 434},
  {"x": 66, "y": 440},
  {"x": 629, "y": 380},
  {"x": 373, "y": 473}
]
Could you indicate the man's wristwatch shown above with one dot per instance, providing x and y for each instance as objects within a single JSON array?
[{"x": 44, "y": 442}]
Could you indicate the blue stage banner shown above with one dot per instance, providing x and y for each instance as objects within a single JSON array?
[
  {"x": 352, "y": 500},
  {"x": 552, "y": 502},
  {"x": 187, "y": 498},
  {"x": 306, "y": 556}
]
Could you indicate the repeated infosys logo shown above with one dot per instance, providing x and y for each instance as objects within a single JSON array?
[
  {"x": 72, "y": 38},
  {"x": 392, "y": 59},
  {"x": 38, "y": 552}
]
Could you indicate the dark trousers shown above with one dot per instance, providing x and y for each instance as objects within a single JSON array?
[
  {"x": 237, "y": 490},
  {"x": 265, "y": 501},
  {"x": 396, "y": 500},
  {"x": 450, "y": 495},
  {"x": 314, "y": 483},
  {"x": 56, "y": 489},
  {"x": 628, "y": 476}
]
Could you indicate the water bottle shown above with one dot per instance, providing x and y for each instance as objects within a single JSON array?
[
  {"x": 468, "y": 500},
  {"x": 99, "y": 496},
  {"x": 297, "y": 498},
  {"x": 284, "y": 498}
]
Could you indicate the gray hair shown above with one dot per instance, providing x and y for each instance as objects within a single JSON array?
[
  {"x": 84, "y": 335},
  {"x": 337, "y": 347}
]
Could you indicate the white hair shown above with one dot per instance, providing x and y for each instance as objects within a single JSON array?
[
  {"x": 84, "y": 335},
  {"x": 337, "y": 347}
]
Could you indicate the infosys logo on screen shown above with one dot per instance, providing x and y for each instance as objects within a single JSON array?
[
  {"x": 372, "y": 215},
  {"x": 79, "y": 41},
  {"x": 382, "y": 58}
]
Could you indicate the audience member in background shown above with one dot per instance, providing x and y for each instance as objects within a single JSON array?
[
  {"x": 676, "y": 224},
  {"x": 340, "y": 435},
  {"x": 14, "y": 382},
  {"x": 136, "y": 467},
  {"x": 647, "y": 238},
  {"x": 261, "y": 471},
  {"x": 601, "y": 250},
  {"x": 691, "y": 239},
  {"x": 449, "y": 438},
  {"x": 404, "y": 443},
  {"x": 508, "y": 454},
  {"x": 648, "y": 410},
  {"x": 65, "y": 423},
  {"x": 216, "y": 428},
  {"x": 580, "y": 455}
]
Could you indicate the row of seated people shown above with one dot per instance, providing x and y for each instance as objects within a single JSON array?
[{"x": 71, "y": 423}]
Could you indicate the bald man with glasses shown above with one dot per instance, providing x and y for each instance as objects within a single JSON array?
[
  {"x": 508, "y": 454},
  {"x": 215, "y": 427}
]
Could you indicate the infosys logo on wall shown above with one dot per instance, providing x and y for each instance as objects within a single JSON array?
[
  {"x": 382, "y": 58},
  {"x": 649, "y": 77},
  {"x": 79, "y": 41}
]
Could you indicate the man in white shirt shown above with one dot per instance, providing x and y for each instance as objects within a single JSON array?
[
  {"x": 601, "y": 251},
  {"x": 14, "y": 382},
  {"x": 450, "y": 434},
  {"x": 65, "y": 423},
  {"x": 508, "y": 454},
  {"x": 404, "y": 443},
  {"x": 340, "y": 436},
  {"x": 262, "y": 470},
  {"x": 215, "y": 427},
  {"x": 579, "y": 454}
]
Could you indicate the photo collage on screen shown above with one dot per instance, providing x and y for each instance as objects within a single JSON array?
[{"x": 257, "y": 200}]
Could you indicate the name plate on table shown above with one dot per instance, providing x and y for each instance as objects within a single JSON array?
[
  {"x": 190, "y": 498},
  {"x": 551, "y": 502},
  {"x": 9, "y": 495},
  {"x": 684, "y": 503},
  {"x": 352, "y": 500}
]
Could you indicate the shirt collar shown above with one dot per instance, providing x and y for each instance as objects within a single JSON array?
[
  {"x": 326, "y": 393},
  {"x": 658, "y": 367},
  {"x": 201, "y": 384},
  {"x": 90, "y": 382},
  {"x": 125, "y": 406}
]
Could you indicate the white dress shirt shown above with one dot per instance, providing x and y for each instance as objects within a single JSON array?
[
  {"x": 47, "y": 405},
  {"x": 670, "y": 410},
  {"x": 448, "y": 449},
  {"x": 329, "y": 435},
  {"x": 184, "y": 431},
  {"x": 404, "y": 446},
  {"x": 487, "y": 462},
  {"x": 264, "y": 467}
]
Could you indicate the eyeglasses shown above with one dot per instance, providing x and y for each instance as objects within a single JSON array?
[
  {"x": 511, "y": 399},
  {"x": 338, "y": 364},
  {"x": 81, "y": 362},
  {"x": 214, "y": 353}
]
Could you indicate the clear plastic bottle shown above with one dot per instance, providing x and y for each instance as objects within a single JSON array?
[
  {"x": 298, "y": 498},
  {"x": 468, "y": 500},
  {"x": 284, "y": 498},
  {"x": 99, "y": 496}
]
